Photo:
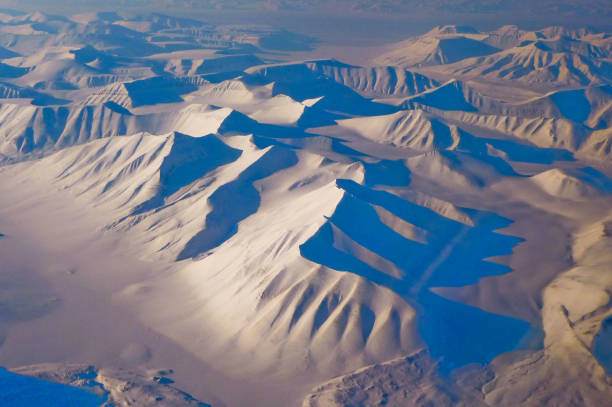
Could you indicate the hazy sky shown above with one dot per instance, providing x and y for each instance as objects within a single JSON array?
[{"x": 355, "y": 21}]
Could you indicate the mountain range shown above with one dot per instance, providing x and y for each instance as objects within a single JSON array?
[{"x": 430, "y": 229}]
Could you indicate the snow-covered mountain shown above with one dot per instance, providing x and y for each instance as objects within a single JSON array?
[
  {"x": 180, "y": 210},
  {"x": 551, "y": 57}
]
